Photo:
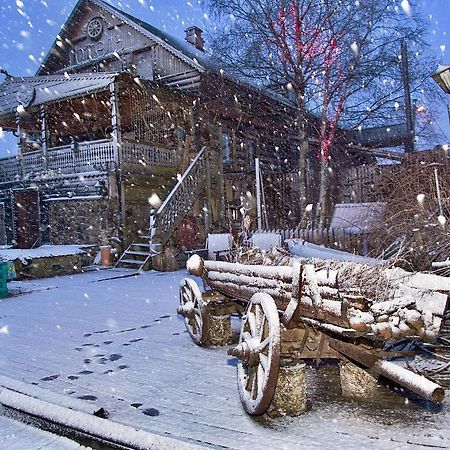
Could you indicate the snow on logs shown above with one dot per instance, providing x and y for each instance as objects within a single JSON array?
[{"x": 405, "y": 305}]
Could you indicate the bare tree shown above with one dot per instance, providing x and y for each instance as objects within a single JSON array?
[{"x": 337, "y": 60}]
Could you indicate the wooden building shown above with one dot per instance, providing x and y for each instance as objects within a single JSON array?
[{"x": 120, "y": 117}]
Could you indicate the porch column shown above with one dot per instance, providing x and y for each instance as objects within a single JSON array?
[
  {"x": 19, "y": 146},
  {"x": 44, "y": 135},
  {"x": 117, "y": 146},
  {"x": 115, "y": 123}
]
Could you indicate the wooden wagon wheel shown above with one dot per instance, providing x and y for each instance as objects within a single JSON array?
[
  {"x": 192, "y": 308},
  {"x": 259, "y": 354}
]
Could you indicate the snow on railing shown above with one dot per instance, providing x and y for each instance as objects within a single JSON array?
[
  {"x": 84, "y": 157},
  {"x": 147, "y": 156},
  {"x": 179, "y": 201}
]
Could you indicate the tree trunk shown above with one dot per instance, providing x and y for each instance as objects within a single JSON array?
[
  {"x": 322, "y": 205},
  {"x": 303, "y": 153}
]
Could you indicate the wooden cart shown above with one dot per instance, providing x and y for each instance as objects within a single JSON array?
[{"x": 289, "y": 314}]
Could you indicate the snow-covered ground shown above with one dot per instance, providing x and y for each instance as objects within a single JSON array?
[
  {"x": 119, "y": 344},
  {"x": 16, "y": 435}
]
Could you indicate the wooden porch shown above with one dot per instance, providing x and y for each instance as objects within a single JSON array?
[{"x": 90, "y": 156}]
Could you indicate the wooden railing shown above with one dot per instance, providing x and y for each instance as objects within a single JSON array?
[
  {"x": 146, "y": 156},
  {"x": 9, "y": 169},
  {"x": 84, "y": 157},
  {"x": 179, "y": 201}
]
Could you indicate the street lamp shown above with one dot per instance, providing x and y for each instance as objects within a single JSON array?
[{"x": 442, "y": 78}]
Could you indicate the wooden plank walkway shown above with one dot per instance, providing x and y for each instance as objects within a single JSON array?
[{"x": 119, "y": 344}]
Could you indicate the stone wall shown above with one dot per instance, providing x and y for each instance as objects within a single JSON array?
[
  {"x": 82, "y": 221},
  {"x": 54, "y": 265},
  {"x": 138, "y": 189}
]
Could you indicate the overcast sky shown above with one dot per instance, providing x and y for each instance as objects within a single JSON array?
[{"x": 29, "y": 27}]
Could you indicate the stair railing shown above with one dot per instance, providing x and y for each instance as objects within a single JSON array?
[{"x": 178, "y": 203}]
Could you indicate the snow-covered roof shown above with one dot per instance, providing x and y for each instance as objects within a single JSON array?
[
  {"x": 30, "y": 91},
  {"x": 356, "y": 218}
]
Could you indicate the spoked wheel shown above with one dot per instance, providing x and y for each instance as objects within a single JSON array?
[
  {"x": 192, "y": 308},
  {"x": 259, "y": 354}
]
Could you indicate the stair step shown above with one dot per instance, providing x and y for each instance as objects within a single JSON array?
[
  {"x": 138, "y": 244},
  {"x": 133, "y": 252},
  {"x": 131, "y": 261}
]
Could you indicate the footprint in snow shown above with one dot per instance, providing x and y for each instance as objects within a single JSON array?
[
  {"x": 91, "y": 398},
  {"x": 87, "y": 361},
  {"x": 106, "y": 372},
  {"x": 50, "y": 378},
  {"x": 87, "y": 334},
  {"x": 115, "y": 357},
  {"x": 136, "y": 405},
  {"x": 72, "y": 377},
  {"x": 136, "y": 340},
  {"x": 108, "y": 342},
  {"x": 123, "y": 366},
  {"x": 153, "y": 412},
  {"x": 145, "y": 326},
  {"x": 85, "y": 372},
  {"x": 165, "y": 317},
  {"x": 125, "y": 331},
  {"x": 101, "y": 331}
]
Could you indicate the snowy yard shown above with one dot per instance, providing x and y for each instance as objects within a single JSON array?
[{"x": 119, "y": 344}]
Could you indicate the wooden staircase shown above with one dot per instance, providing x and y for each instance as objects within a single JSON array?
[
  {"x": 137, "y": 255},
  {"x": 179, "y": 202},
  {"x": 165, "y": 221}
]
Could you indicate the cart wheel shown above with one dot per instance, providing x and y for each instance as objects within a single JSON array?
[
  {"x": 192, "y": 308},
  {"x": 259, "y": 354}
]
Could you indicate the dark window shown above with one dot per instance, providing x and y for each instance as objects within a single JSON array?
[
  {"x": 225, "y": 143},
  {"x": 250, "y": 146}
]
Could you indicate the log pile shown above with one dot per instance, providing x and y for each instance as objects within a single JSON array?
[{"x": 389, "y": 303}]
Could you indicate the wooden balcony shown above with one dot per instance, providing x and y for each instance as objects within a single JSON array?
[{"x": 92, "y": 156}]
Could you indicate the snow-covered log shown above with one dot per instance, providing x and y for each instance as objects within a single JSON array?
[{"x": 388, "y": 303}]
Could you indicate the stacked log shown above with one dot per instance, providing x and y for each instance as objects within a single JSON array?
[{"x": 388, "y": 303}]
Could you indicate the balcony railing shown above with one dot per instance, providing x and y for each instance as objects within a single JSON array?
[{"x": 84, "y": 157}]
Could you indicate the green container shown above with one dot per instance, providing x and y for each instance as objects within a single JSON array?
[
  {"x": 4, "y": 268},
  {"x": 3, "y": 278}
]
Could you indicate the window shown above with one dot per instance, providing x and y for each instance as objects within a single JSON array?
[
  {"x": 250, "y": 146},
  {"x": 225, "y": 144}
]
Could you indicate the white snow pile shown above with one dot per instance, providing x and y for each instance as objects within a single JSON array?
[
  {"x": 412, "y": 305},
  {"x": 44, "y": 251},
  {"x": 304, "y": 249}
]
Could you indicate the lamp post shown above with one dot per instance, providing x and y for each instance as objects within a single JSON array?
[{"x": 442, "y": 78}]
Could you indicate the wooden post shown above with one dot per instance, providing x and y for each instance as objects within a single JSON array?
[
  {"x": 208, "y": 212},
  {"x": 258, "y": 195},
  {"x": 409, "y": 144},
  {"x": 117, "y": 141},
  {"x": 44, "y": 135},
  {"x": 115, "y": 123},
  {"x": 19, "y": 146},
  {"x": 438, "y": 190}
]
